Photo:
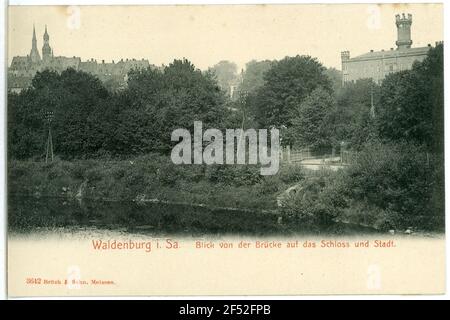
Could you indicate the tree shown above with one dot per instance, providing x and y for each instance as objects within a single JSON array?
[
  {"x": 72, "y": 96},
  {"x": 394, "y": 181},
  {"x": 335, "y": 77},
  {"x": 226, "y": 74},
  {"x": 431, "y": 70},
  {"x": 411, "y": 103},
  {"x": 353, "y": 119},
  {"x": 89, "y": 121},
  {"x": 253, "y": 76},
  {"x": 79, "y": 96},
  {"x": 171, "y": 98},
  {"x": 311, "y": 126},
  {"x": 26, "y": 134},
  {"x": 286, "y": 84}
]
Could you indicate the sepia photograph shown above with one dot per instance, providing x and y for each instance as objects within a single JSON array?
[{"x": 246, "y": 136}]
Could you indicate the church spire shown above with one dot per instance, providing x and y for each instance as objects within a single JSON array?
[
  {"x": 34, "y": 33},
  {"x": 34, "y": 54},
  {"x": 46, "y": 49}
]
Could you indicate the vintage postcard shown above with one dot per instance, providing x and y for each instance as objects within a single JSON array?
[{"x": 186, "y": 150}]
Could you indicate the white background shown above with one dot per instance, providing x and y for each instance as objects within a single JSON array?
[{"x": 3, "y": 44}]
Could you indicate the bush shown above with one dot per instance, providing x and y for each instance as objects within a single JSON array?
[
  {"x": 312, "y": 205},
  {"x": 56, "y": 170},
  {"x": 291, "y": 174},
  {"x": 269, "y": 185},
  {"x": 390, "y": 186},
  {"x": 78, "y": 170},
  {"x": 94, "y": 174},
  {"x": 238, "y": 175},
  {"x": 400, "y": 180},
  {"x": 168, "y": 174}
]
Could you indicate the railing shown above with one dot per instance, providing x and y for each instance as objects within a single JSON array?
[
  {"x": 329, "y": 156},
  {"x": 348, "y": 157},
  {"x": 298, "y": 155}
]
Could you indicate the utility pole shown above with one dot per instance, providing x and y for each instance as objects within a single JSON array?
[
  {"x": 49, "y": 146},
  {"x": 243, "y": 102},
  {"x": 372, "y": 106}
]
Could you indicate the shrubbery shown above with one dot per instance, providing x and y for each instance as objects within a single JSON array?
[
  {"x": 312, "y": 205},
  {"x": 90, "y": 122},
  {"x": 400, "y": 180},
  {"x": 390, "y": 186},
  {"x": 152, "y": 176},
  {"x": 396, "y": 181}
]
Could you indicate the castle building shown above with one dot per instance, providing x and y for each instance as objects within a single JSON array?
[
  {"x": 23, "y": 68},
  {"x": 378, "y": 64}
]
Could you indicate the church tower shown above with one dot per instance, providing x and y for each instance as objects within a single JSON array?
[
  {"x": 34, "y": 54},
  {"x": 46, "y": 49}
]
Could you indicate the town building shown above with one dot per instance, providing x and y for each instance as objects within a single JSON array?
[
  {"x": 23, "y": 68},
  {"x": 378, "y": 64}
]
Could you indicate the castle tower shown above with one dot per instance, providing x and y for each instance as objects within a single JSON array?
[
  {"x": 46, "y": 49},
  {"x": 345, "y": 57},
  {"x": 403, "y": 31},
  {"x": 34, "y": 54}
]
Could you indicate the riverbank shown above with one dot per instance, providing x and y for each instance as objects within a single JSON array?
[
  {"x": 383, "y": 197},
  {"x": 151, "y": 178}
]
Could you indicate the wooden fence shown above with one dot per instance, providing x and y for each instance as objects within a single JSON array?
[
  {"x": 348, "y": 157},
  {"x": 343, "y": 157}
]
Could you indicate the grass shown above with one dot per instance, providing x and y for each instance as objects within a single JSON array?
[
  {"x": 152, "y": 177},
  {"x": 389, "y": 190}
]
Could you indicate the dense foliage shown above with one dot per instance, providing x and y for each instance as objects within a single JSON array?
[
  {"x": 393, "y": 129},
  {"x": 89, "y": 121},
  {"x": 411, "y": 103},
  {"x": 225, "y": 73},
  {"x": 286, "y": 84}
]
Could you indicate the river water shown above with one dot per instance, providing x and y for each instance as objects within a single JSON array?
[{"x": 29, "y": 214}]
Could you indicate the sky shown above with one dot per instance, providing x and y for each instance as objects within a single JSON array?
[{"x": 207, "y": 34}]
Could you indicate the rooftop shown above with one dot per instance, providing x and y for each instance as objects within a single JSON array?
[{"x": 392, "y": 53}]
